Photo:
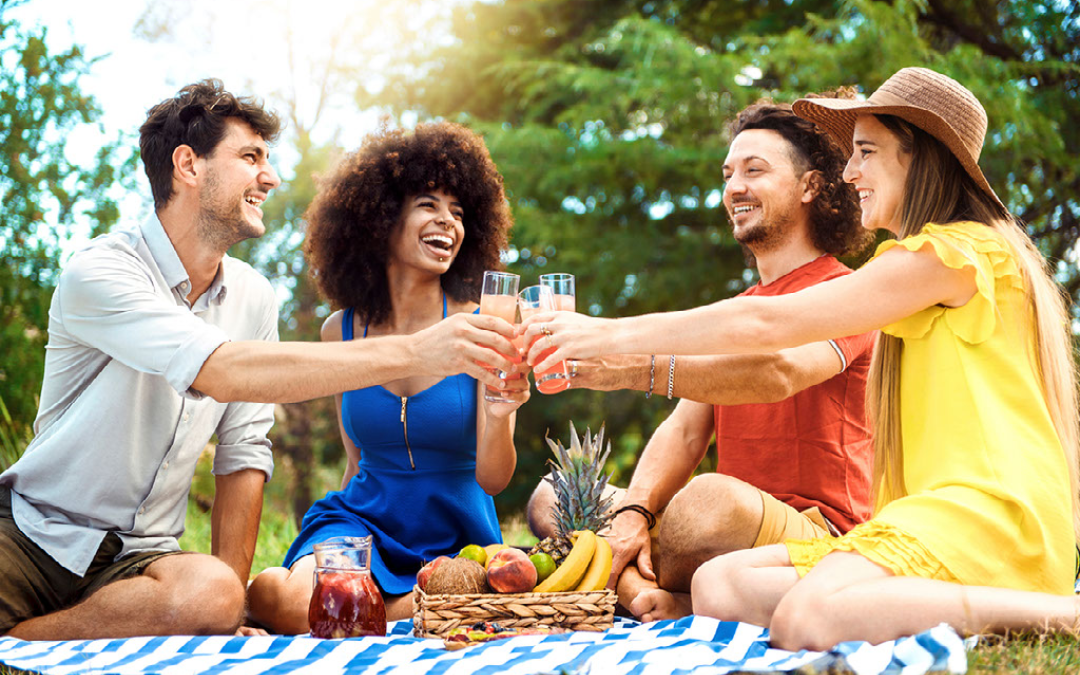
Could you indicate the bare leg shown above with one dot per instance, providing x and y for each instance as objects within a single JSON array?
[
  {"x": 712, "y": 515},
  {"x": 278, "y": 598},
  {"x": 398, "y": 607},
  {"x": 190, "y": 594},
  {"x": 744, "y": 585},
  {"x": 847, "y": 597}
]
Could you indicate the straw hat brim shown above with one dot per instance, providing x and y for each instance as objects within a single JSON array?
[{"x": 837, "y": 117}]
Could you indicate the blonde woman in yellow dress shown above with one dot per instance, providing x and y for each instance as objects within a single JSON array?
[{"x": 973, "y": 387}]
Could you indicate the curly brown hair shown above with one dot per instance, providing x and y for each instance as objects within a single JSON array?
[
  {"x": 360, "y": 203},
  {"x": 197, "y": 117},
  {"x": 835, "y": 223}
]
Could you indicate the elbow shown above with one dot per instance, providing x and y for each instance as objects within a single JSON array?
[
  {"x": 778, "y": 381},
  {"x": 215, "y": 384},
  {"x": 494, "y": 484}
]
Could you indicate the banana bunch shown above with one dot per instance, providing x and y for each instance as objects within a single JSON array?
[{"x": 586, "y": 568}]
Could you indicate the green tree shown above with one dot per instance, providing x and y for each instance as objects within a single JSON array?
[
  {"x": 608, "y": 121},
  {"x": 44, "y": 200}
]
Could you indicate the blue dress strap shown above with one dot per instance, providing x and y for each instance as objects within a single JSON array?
[{"x": 347, "y": 324}]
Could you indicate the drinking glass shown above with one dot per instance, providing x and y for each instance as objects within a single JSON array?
[
  {"x": 345, "y": 601},
  {"x": 499, "y": 298},
  {"x": 557, "y": 379}
]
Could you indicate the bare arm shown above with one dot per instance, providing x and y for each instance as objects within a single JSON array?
[
  {"x": 894, "y": 286},
  {"x": 234, "y": 521},
  {"x": 665, "y": 466},
  {"x": 291, "y": 371},
  {"x": 717, "y": 380},
  {"x": 496, "y": 456}
]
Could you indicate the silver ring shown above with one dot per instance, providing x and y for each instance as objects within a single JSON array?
[{"x": 573, "y": 367}]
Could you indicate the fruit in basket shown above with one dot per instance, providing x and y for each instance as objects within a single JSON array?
[
  {"x": 578, "y": 481},
  {"x": 568, "y": 575},
  {"x": 474, "y": 552},
  {"x": 511, "y": 571},
  {"x": 544, "y": 565},
  {"x": 599, "y": 570},
  {"x": 491, "y": 550},
  {"x": 457, "y": 576},
  {"x": 427, "y": 570}
]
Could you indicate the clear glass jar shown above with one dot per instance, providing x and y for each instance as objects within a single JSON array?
[{"x": 345, "y": 601}]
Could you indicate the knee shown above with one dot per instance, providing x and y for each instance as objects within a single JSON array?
[
  {"x": 210, "y": 602},
  {"x": 714, "y": 589},
  {"x": 538, "y": 511},
  {"x": 802, "y": 622},
  {"x": 717, "y": 503},
  {"x": 712, "y": 515}
]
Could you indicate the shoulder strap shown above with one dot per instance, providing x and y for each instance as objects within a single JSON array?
[{"x": 347, "y": 324}]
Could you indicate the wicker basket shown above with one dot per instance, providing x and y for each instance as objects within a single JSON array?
[{"x": 435, "y": 616}]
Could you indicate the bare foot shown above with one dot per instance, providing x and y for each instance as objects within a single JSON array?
[
  {"x": 656, "y": 604},
  {"x": 250, "y": 631}
]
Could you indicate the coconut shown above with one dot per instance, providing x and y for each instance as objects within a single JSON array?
[{"x": 457, "y": 576}]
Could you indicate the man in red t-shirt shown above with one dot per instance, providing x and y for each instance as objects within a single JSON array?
[{"x": 794, "y": 448}]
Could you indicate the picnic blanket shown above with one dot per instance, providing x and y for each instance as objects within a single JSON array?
[{"x": 693, "y": 644}]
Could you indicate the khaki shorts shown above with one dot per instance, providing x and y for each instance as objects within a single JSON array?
[
  {"x": 780, "y": 522},
  {"x": 33, "y": 584}
]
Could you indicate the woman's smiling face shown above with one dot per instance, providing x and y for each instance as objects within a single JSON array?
[
  {"x": 430, "y": 231},
  {"x": 878, "y": 169}
]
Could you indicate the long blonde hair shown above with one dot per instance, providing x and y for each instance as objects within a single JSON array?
[{"x": 938, "y": 190}]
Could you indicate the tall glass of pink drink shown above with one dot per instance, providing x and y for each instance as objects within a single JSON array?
[
  {"x": 562, "y": 288},
  {"x": 533, "y": 300},
  {"x": 499, "y": 298}
]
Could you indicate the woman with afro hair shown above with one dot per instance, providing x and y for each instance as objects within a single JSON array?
[{"x": 398, "y": 239}]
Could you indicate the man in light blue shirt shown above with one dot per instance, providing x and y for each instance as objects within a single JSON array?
[{"x": 157, "y": 341}]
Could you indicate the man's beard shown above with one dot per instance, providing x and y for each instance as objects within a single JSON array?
[
  {"x": 766, "y": 236},
  {"x": 221, "y": 225}
]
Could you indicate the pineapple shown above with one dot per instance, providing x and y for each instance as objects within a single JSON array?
[{"x": 578, "y": 480}]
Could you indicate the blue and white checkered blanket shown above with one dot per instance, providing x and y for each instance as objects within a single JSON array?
[{"x": 694, "y": 644}]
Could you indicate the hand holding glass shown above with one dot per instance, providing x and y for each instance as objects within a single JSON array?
[{"x": 562, "y": 288}]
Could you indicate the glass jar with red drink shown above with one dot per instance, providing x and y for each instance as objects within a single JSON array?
[{"x": 345, "y": 601}]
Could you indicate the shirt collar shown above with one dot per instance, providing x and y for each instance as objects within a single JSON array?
[{"x": 164, "y": 254}]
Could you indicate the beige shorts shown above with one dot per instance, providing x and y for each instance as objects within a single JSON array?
[{"x": 780, "y": 522}]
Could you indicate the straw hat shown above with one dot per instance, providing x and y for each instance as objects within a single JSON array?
[{"x": 937, "y": 104}]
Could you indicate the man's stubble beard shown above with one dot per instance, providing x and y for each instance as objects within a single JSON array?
[
  {"x": 765, "y": 237},
  {"x": 219, "y": 224}
]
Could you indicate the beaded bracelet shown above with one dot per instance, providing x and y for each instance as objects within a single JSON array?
[
  {"x": 671, "y": 378},
  {"x": 652, "y": 375},
  {"x": 650, "y": 518}
]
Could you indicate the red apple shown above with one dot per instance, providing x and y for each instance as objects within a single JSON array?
[
  {"x": 511, "y": 571},
  {"x": 425, "y": 572}
]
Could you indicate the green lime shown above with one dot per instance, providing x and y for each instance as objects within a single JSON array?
[
  {"x": 474, "y": 552},
  {"x": 544, "y": 565}
]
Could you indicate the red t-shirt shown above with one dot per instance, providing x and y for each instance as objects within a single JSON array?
[{"x": 815, "y": 448}]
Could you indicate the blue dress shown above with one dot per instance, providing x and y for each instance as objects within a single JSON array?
[{"x": 416, "y": 494}]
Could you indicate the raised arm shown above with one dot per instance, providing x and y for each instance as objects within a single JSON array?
[
  {"x": 717, "y": 380},
  {"x": 292, "y": 371},
  {"x": 891, "y": 287}
]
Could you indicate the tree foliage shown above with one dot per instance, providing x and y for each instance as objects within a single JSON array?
[
  {"x": 44, "y": 199},
  {"x": 608, "y": 121}
]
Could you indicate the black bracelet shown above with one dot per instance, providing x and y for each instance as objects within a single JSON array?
[{"x": 650, "y": 518}]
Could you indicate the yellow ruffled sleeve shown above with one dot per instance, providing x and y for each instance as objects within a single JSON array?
[{"x": 959, "y": 246}]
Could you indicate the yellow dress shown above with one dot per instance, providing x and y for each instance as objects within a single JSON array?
[{"x": 987, "y": 486}]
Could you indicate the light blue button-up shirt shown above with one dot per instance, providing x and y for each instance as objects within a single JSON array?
[{"x": 119, "y": 429}]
